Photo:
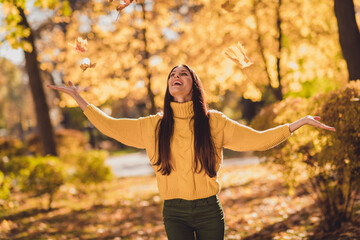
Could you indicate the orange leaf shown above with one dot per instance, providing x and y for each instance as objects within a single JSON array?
[
  {"x": 85, "y": 64},
  {"x": 238, "y": 55},
  {"x": 121, "y": 6},
  {"x": 229, "y": 5},
  {"x": 80, "y": 45}
]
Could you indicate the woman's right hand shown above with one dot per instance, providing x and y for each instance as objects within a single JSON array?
[{"x": 71, "y": 89}]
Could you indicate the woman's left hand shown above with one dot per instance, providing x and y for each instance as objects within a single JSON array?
[
  {"x": 310, "y": 120},
  {"x": 313, "y": 121}
]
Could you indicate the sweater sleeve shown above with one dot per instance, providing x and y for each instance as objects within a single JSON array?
[
  {"x": 125, "y": 130},
  {"x": 239, "y": 137}
]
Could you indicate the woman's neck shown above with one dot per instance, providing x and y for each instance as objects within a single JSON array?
[{"x": 182, "y": 99}]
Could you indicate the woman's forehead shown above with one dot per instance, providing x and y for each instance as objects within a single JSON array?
[{"x": 180, "y": 69}]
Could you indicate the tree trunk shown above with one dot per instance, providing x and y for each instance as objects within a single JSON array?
[
  {"x": 277, "y": 92},
  {"x": 146, "y": 65},
  {"x": 349, "y": 36},
  {"x": 44, "y": 126}
]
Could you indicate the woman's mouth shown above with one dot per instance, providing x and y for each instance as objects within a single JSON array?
[{"x": 177, "y": 83}]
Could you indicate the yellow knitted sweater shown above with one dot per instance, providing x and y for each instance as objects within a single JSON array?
[{"x": 183, "y": 182}]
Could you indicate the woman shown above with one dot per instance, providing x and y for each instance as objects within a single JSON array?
[{"x": 184, "y": 144}]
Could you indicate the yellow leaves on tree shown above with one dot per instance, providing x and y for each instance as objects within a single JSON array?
[{"x": 238, "y": 55}]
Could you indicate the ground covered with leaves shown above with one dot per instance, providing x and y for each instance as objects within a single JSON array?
[{"x": 254, "y": 198}]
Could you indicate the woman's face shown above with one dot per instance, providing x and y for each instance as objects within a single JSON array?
[{"x": 180, "y": 84}]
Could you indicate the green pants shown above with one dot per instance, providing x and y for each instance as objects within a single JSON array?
[{"x": 201, "y": 219}]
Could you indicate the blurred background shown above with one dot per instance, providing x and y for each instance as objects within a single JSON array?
[{"x": 306, "y": 58}]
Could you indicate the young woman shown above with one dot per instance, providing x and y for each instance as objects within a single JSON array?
[{"x": 184, "y": 144}]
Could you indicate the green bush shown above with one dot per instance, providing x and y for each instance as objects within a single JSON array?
[
  {"x": 15, "y": 166},
  {"x": 89, "y": 167},
  {"x": 10, "y": 146},
  {"x": 329, "y": 160},
  {"x": 14, "y": 171},
  {"x": 36, "y": 175},
  {"x": 67, "y": 141},
  {"x": 5, "y": 185},
  {"x": 44, "y": 176}
]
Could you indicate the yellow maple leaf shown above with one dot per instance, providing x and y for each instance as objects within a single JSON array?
[{"x": 238, "y": 55}]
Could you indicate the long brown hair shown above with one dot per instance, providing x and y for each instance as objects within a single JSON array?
[{"x": 205, "y": 152}]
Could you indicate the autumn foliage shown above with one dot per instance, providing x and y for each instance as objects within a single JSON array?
[
  {"x": 329, "y": 161},
  {"x": 68, "y": 141},
  {"x": 133, "y": 53}
]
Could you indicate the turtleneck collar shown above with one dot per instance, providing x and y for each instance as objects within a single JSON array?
[{"x": 182, "y": 110}]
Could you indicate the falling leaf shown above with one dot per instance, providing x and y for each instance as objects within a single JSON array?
[
  {"x": 85, "y": 64},
  {"x": 122, "y": 5},
  {"x": 237, "y": 54},
  {"x": 229, "y": 5},
  {"x": 80, "y": 45}
]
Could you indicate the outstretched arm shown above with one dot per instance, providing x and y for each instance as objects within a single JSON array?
[
  {"x": 125, "y": 130},
  {"x": 239, "y": 137},
  {"x": 73, "y": 92},
  {"x": 309, "y": 120}
]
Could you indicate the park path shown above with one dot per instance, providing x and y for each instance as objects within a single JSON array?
[{"x": 138, "y": 164}]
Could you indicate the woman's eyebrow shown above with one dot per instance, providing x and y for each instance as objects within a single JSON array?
[{"x": 180, "y": 71}]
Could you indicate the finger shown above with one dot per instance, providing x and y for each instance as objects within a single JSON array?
[
  {"x": 329, "y": 128},
  {"x": 316, "y": 117},
  {"x": 70, "y": 83},
  {"x": 52, "y": 86},
  {"x": 323, "y": 126}
]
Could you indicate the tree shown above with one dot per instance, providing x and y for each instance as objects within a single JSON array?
[
  {"x": 277, "y": 91},
  {"x": 330, "y": 162},
  {"x": 349, "y": 36},
  {"x": 20, "y": 34},
  {"x": 131, "y": 55},
  {"x": 308, "y": 51},
  {"x": 12, "y": 99}
]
